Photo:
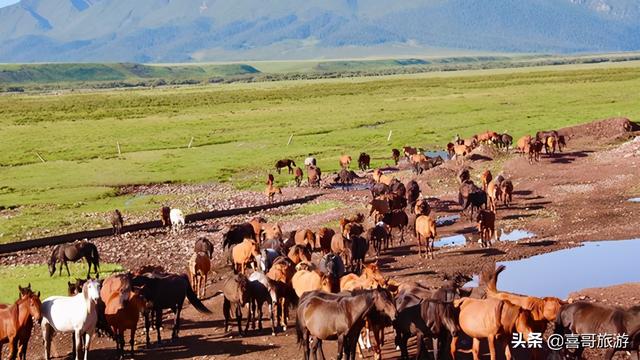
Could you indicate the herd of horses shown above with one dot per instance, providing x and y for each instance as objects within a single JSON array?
[{"x": 329, "y": 278}]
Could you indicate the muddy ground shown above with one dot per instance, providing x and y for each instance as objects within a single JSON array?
[{"x": 578, "y": 195}]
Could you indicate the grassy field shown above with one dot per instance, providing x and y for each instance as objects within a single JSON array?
[
  {"x": 38, "y": 276},
  {"x": 240, "y": 130}
]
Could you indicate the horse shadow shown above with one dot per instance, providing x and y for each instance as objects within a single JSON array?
[
  {"x": 194, "y": 346},
  {"x": 522, "y": 192},
  {"x": 516, "y": 216},
  {"x": 482, "y": 251},
  {"x": 419, "y": 272},
  {"x": 539, "y": 243},
  {"x": 569, "y": 157}
]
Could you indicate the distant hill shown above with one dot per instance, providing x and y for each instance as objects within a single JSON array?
[{"x": 205, "y": 30}]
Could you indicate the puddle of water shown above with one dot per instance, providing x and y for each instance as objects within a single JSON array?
[
  {"x": 456, "y": 240},
  {"x": 594, "y": 264},
  {"x": 635, "y": 200},
  {"x": 352, "y": 186},
  {"x": 433, "y": 153},
  {"x": 515, "y": 235},
  {"x": 447, "y": 220}
]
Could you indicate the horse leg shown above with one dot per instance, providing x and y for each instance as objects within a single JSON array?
[
  {"x": 77, "y": 336},
  {"x": 340, "y": 347},
  {"x": 436, "y": 347},
  {"x": 67, "y": 267},
  {"x": 176, "y": 322},
  {"x": 249, "y": 317},
  {"x": 158, "y": 322},
  {"x": 13, "y": 348},
  {"x": 419, "y": 345},
  {"x": 259, "y": 316},
  {"x": 147, "y": 326},
  {"x": 87, "y": 344},
  {"x": 314, "y": 348},
  {"x": 132, "y": 339},
  {"x": 492, "y": 346},
  {"x": 239, "y": 318},
  {"x": 475, "y": 350}
]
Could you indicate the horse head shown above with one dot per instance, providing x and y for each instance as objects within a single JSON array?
[
  {"x": 25, "y": 291},
  {"x": 384, "y": 303},
  {"x": 35, "y": 306},
  {"x": 91, "y": 290}
]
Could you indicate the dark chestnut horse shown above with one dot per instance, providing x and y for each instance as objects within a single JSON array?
[
  {"x": 395, "y": 155},
  {"x": 74, "y": 252},
  {"x": 16, "y": 322},
  {"x": 588, "y": 318},
  {"x": 204, "y": 245},
  {"x": 339, "y": 317},
  {"x": 285, "y": 163},
  {"x": 364, "y": 161},
  {"x": 116, "y": 221}
]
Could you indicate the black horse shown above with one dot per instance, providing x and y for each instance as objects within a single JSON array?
[
  {"x": 74, "y": 252},
  {"x": 166, "y": 291}
]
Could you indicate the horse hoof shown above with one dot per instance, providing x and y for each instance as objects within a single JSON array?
[{"x": 273, "y": 333}]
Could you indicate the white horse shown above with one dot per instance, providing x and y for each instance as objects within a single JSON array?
[
  {"x": 71, "y": 313},
  {"x": 177, "y": 219}
]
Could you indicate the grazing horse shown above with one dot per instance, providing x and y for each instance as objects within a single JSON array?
[
  {"x": 261, "y": 290},
  {"x": 314, "y": 176},
  {"x": 123, "y": 305},
  {"x": 427, "y": 319},
  {"x": 535, "y": 150},
  {"x": 588, "y": 318},
  {"x": 271, "y": 191},
  {"x": 177, "y": 220},
  {"x": 339, "y": 317},
  {"x": 165, "y": 213},
  {"x": 345, "y": 161},
  {"x": 460, "y": 151},
  {"x": 204, "y": 245},
  {"x": 486, "y": 226},
  {"x": 116, "y": 221},
  {"x": 426, "y": 230},
  {"x": 236, "y": 296},
  {"x": 75, "y": 314},
  {"x": 505, "y": 141},
  {"x": 198, "y": 269},
  {"x": 364, "y": 161},
  {"x": 285, "y": 163},
  {"x": 395, "y": 155},
  {"x": 16, "y": 322},
  {"x": 469, "y": 195},
  {"x": 243, "y": 254},
  {"x": 74, "y": 252},
  {"x": 298, "y": 175},
  {"x": 491, "y": 319},
  {"x": 165, "y": 291}
]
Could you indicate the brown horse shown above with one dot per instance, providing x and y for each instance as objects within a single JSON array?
[
  {"x": 395, "y": 155},
  {"x": 486, "y": 226},
  {"x": 396, "y": 220},
  {"x": 244, "y": 254},
  {"x": 370, "y": 278},
  {"x": 339, "y": 317},
  {"x": 305, "y": 238},
  {"x": 494, "y": 194},
  {"x": 588, "y": 318},
  {"x": 257, "y": 223},
  {"x": 379, "y": 236},
  {"x": 364, "y": 161},
  {"x": 323, "y": 239},
  {"x": 271, "y": 232},
  {"x": 271, "y": 192},
  {"x": 165, "y": 218},
  {"x": 506, "y": 191},
  {"x": 285, "y": 163},
  {"x": 198, "y": 269},
  {"x": 535, "y": 150},
  {"x": 281, "y": 272},
  {"x": 426, "y": 230},
  {"x": 357, "y": 218},
  {"x": 298, "y": 175},
  {"x": 408, "y": 151},
  {"x": 314, "y": 176},
  {"x": 237, "y": 233},
  {"x": 74, "y": 252},
  {"x": 204, "y": 245},
  {"x": 236, "y": 296},
  {"x": 299, "y": 253},
  {"x": 486, "y": 179},
  {"x": 523, "y": 144},
  {"x": 345, "y": 161},
  {"x": 491, "y": 319},
  {"x": 123, "y": 304},
  {"x": 16, "y": 322},
  {"x": 115, "y": 218}
]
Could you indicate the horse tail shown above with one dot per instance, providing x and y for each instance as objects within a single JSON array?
[
  {"x": 493, "y": 279},
  {"x": 193, "y": 298}
]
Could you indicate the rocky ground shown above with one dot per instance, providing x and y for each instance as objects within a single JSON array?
[{"x": 565, "y": 199}]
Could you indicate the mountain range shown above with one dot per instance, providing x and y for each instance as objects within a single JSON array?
[{"x": 168, "y": 31}]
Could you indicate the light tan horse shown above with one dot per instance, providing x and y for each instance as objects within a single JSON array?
[
  {"x": 243, "y": 254},
  {"x": 308, "y": 280},
  {"x": 198, "y": 268},
  {"x": 491, "y": 319},
  {"x": 426, "y": 230},
  {"x": 271, "y": 191},
  {"x": 494, "y": 193},
  {"x": 370, "y": 278},
  {"x": 345, "y": 161},
  {"x": 523, "y": 144}
]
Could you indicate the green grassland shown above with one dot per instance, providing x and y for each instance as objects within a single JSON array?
[
  {"x": 38, "y": 276},
  {"x": 240, "y": 130}
]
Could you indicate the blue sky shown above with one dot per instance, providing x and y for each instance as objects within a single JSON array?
[{"x": 4, "y": 3}]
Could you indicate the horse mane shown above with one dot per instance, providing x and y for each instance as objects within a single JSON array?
[{"x": 54, "y": 254}]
